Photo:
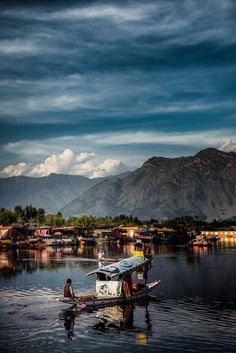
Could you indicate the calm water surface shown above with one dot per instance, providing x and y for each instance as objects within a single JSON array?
[{"x": 193, "y": 309}]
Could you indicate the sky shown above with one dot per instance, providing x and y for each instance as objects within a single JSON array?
[{"x": 95, "y": 88}]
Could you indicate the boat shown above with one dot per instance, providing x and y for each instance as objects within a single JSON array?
[
  {"x": 5, "y": 244},
  {"x": 114, "y": 286},
  {"x": 70, "y": 240},
  {"x": 101, "y": 258},
  {"x": 50, "y": 240},
  {"x": 86, "y": 240},
  {"x": 200, "y": 242}
]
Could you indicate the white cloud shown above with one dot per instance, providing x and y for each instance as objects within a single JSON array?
[
  {"x": 57, "y": 102},
  {"x": 108, "y": 167},
  {"x": 30, "y": 148},
  {"x": 228, "y": 146},
  {"x": 18, "y": 46},
  {"x": 81, "y": 144},
  {"x": 114, "y": 13},
  {"x": 54, "y": 164},
  {"x": 85, "y": 163},
  {"x": 199, "y": 138},
  {"x": 84, "y": 157},
  {"x": 15, "y": 170},
  {"x": 192, "y": 107}
]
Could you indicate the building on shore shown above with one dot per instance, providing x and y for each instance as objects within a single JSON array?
[{"x": 219, "y": 233}]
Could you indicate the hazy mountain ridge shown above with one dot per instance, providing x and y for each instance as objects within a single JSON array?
[
  {"x": 203, "y": 185},
  {"x": 50, "y": 192}
]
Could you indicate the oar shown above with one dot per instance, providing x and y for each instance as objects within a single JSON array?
[{"x": 81, "y": 306}]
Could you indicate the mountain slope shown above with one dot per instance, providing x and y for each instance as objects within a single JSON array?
[
  {"x": 203, "y": 185},
  {"x": 50, "y": 192}
]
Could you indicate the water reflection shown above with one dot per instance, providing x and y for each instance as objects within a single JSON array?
[
  {"x": 15, "y": 261},
  {"x": 68, "y": 316},
  {"x": 197, "y": 311},
  {"x": 112, "y": 319}
]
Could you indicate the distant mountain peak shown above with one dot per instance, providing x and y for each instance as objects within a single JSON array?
[
  {"x": 203, "y": 185},
  {"x": 211, "y": 152}
]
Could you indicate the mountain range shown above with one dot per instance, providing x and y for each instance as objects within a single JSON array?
[
  {"x": 203, "y": 185},
  {"x": 50, "y": 192}
]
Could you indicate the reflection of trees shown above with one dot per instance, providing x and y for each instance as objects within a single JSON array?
[
  {"x": 10, "y": 266},
  {"x": 15, "y": 261},
  {"x": 51, "y": 266},
  {"x": 8, "y": 273}
]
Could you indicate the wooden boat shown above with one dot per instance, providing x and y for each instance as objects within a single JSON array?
[
  {"x": 113, "y": 285},
  {"x": 95, "y": 300},
  {"x": 5, "y": 243},
  {"x": 101, "y": 258},
  {"x": 86, "y": 240},
  {"x": 200, "y": 243}
]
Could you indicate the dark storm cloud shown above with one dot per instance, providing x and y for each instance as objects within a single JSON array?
[{"x": 107, "y": 66}]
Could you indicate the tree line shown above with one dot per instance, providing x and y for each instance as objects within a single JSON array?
[{"x": 32, "y": 215}]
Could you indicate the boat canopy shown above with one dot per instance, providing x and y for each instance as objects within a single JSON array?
[{"x": 127, "y": 265}]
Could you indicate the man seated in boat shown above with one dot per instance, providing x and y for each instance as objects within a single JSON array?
[
  {"x": 68, "y": 289},
  {"x": 127, "y": 284}
]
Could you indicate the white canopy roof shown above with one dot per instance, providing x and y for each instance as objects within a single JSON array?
[{"x": 127, "y": 265}]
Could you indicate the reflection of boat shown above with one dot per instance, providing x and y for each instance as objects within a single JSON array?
[
  {"x": 115, "y": 319},
  {"x": 114, "y": 284}
]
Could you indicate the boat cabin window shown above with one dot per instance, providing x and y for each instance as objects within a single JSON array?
[
  {"x": 102, "y": 277},
  {"x": 138, "y": 246}
]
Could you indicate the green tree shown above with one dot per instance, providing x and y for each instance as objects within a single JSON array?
[
  {"x": 73, "y": 221},
  {"x": 30, "y": 213},
  {"x": 87, "y": 221},
  {"x": 54, "y": 220},
  {"x": 20, "y": 213},
  {"x": 7, "y": 217},
  {"x": 40, "y": 215}
]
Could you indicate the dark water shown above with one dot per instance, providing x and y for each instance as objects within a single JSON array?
[{"x": 194, "y": 308}]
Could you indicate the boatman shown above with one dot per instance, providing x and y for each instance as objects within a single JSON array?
[
  {"x": 69, "y": 293},
  {"x": 68, "y": 289}
]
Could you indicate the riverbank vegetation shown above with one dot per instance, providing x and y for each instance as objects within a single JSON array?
[{"x": 32, "y": 215}]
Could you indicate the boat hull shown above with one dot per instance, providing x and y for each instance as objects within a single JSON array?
[{"x": 92, "y": 300}]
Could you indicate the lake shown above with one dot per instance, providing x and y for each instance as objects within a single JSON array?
[{"x": 192, "y": 310}]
